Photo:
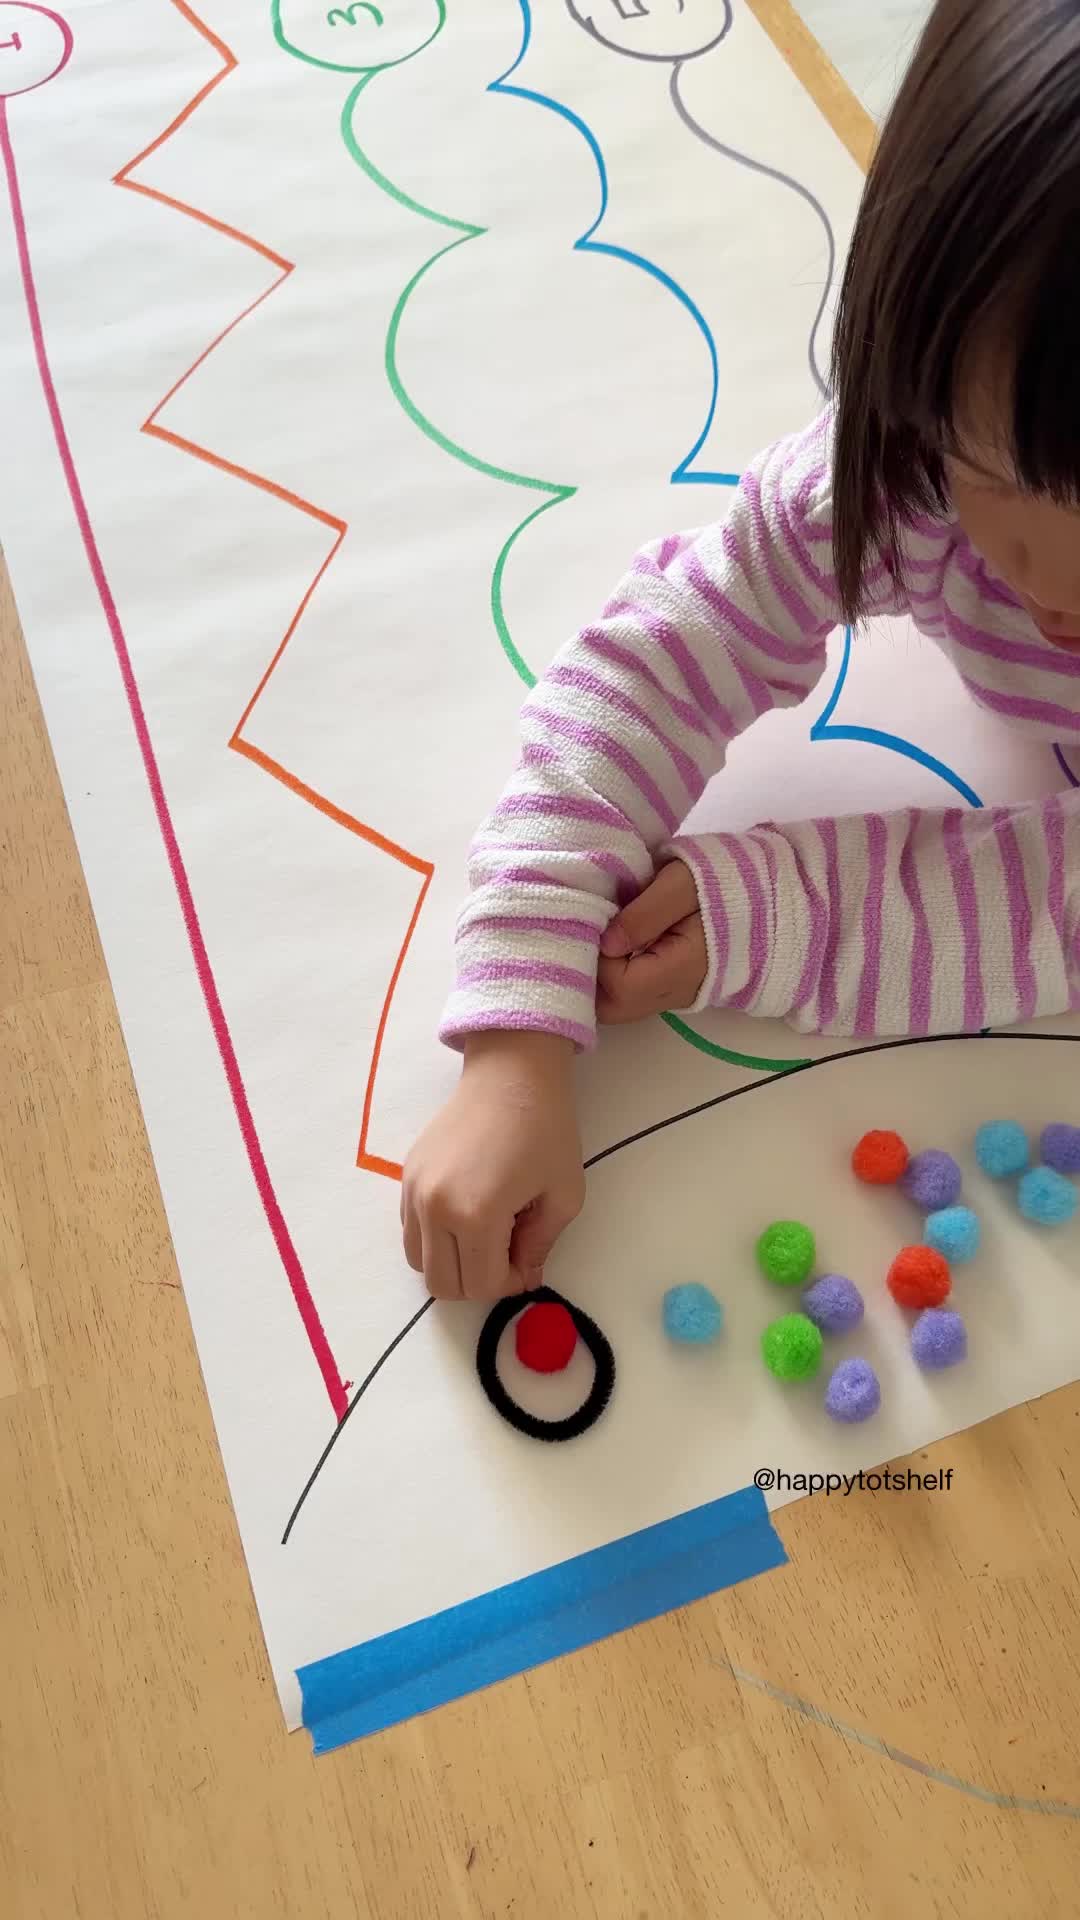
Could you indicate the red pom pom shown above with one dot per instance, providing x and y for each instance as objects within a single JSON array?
[
  {"x": 880, "y": 1158},
  {"x": 545, "y": 1337},
  {"x": 919, "y": 1277}
]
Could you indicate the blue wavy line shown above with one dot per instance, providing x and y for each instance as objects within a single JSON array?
[
  {"x": 820, "y": 727},
  {"x": 684, "y": 474},
  {"x": 872, "y": 737}
]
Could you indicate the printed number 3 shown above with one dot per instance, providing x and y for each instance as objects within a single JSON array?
[{"x": 13, "y": 42}]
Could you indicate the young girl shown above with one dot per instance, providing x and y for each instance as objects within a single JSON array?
[{"x": 943, "y": 482}]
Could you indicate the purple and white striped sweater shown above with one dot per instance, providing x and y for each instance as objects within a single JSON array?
[{"x": 914, "y": 922}]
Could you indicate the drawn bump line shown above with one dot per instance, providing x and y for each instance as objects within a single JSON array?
[{"x": 338, "y": 527}]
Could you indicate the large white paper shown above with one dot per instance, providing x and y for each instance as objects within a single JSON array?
[{"x": 281, "y": 388}]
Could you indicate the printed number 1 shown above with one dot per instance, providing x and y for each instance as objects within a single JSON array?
[{"x": 13, "y": 42}]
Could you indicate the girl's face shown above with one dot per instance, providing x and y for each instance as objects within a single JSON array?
[{"x": 1030, "y": 541}]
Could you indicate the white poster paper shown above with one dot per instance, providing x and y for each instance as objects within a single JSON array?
[{"x": 346, "y": 354}]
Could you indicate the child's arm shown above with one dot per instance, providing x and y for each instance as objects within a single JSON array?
[
  {"x": 621, "y": 735},
  {"x": 908, "y": 923},
  {"x": 618, "y": 740}
]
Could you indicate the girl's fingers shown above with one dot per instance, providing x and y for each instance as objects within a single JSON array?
[
  {"x": 667, "y": 900},
  {"x": 535, "y": 1232},
  {"x": 411, "y": 1236},
  {"x": 632, "y": 989},
  {"x": 668, "y": 976},
  {"x": 485, "y": 1267},
  {"x": 442, "y": 1269}
]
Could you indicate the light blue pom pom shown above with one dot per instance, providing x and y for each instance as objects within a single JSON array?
[
  {"x": 954, "y": 1232},
  {"x": 1002, "y": 1150},
  {"x": 692, "y": 1314},
  {"x": 1047, "y": 1197}
]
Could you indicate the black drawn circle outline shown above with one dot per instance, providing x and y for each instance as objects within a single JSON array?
[{"x": 519, "y": 1417}]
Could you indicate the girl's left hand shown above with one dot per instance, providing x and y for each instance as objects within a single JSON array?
[{"x": 653, "y": 956}]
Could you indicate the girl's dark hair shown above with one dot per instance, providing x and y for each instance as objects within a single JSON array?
[{"x": 968, "y": 235}]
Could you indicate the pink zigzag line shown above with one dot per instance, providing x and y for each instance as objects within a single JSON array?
[{"x": 289, "y": 1257}]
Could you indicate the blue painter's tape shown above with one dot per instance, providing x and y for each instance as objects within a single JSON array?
[{"x": 507, "y": 1631}]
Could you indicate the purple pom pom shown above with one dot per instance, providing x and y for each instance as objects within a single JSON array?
[
  {"x": 932, "y": 1180},
  {"x": 833, "y": 1303},
  {"x": 853, "y": 1393},
  {"x": 1060, "y": 1148},
  {"x": 939, "y": 1338}
]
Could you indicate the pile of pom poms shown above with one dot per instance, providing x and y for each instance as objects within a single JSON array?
[
  {"x": 920, "y": 1277},
  {"x": 793, "y": 1346},
  {"x": 835, "y": 1305},
  {"x": 932, "y": 1180},
  {"x": 1045, "y": 1194}
]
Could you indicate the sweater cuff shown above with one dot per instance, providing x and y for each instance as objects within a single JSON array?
[
  {"x": 526, "y": 963},
  {"x": 735, "y": 877}
]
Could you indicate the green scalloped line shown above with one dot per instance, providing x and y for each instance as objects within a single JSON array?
[
  {"x": 556, "y": 492},
  {"x": 715, "y": 1052}
]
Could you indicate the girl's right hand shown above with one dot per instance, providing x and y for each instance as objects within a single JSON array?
[{"x": 495, "y": 1178}]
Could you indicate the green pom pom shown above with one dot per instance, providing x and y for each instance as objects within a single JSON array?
[
  {"x": 786, "y": 1253},
  {"x": 792, "y": 1347}
]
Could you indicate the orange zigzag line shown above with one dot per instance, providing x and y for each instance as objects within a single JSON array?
[{"x": 373, "y": 1163}]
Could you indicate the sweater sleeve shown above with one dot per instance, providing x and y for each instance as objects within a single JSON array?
[
  {"x": 705, "y": 633},
  {"x": 908, "y": 923}
]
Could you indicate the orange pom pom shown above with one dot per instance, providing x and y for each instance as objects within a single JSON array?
[
  {"x": 880, "y": 1158},
  {"x": 919, "y": 1277}
]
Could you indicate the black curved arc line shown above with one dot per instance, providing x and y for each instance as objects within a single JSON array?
[
  {"x": 808, "y": 1066},
  {"x": 645, "y": 1133},
  {"x": 782, "y": 179},
  {"x": 350, "y": 1409}
]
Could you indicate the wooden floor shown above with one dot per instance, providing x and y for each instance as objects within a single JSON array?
[{"x": 887, "y": 1728}]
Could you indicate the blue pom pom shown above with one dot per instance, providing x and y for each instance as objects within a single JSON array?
[
  {"x": 954, "y": 1232},
  {"x": 833, "y": 1303},
  {"x": 1046, "y": 1197},
  {"x": 1002, "y": 1150},
  {"x": 939, "y": 1339},
  {"x": 932, "y": 1180},
  {"x": 853, "y": 1393},
  {"x": 692, "y": 1314},
  {"x": 1060, "y": 1148}
]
